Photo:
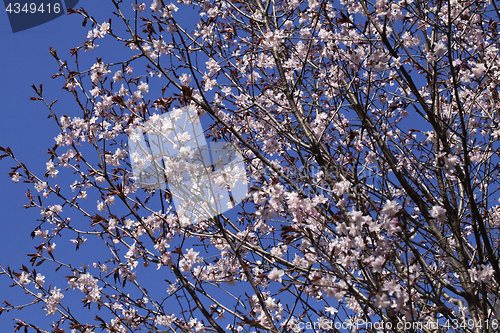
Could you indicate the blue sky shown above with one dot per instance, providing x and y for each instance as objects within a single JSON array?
[
  {"x": 29, "y": 133},
  {"x": 26, "y": 130}
]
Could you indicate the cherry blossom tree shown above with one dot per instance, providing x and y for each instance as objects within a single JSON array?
[{"x": 368, "y": 132}]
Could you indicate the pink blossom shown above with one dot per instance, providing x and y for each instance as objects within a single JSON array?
[
  {"x": 276, "y": 274},
  {"x": 15, "y": 177},
  {"x": 439, "y": 213},
  {"x": 140, "y": 7},
  {"x": 391, "y": 207}
]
